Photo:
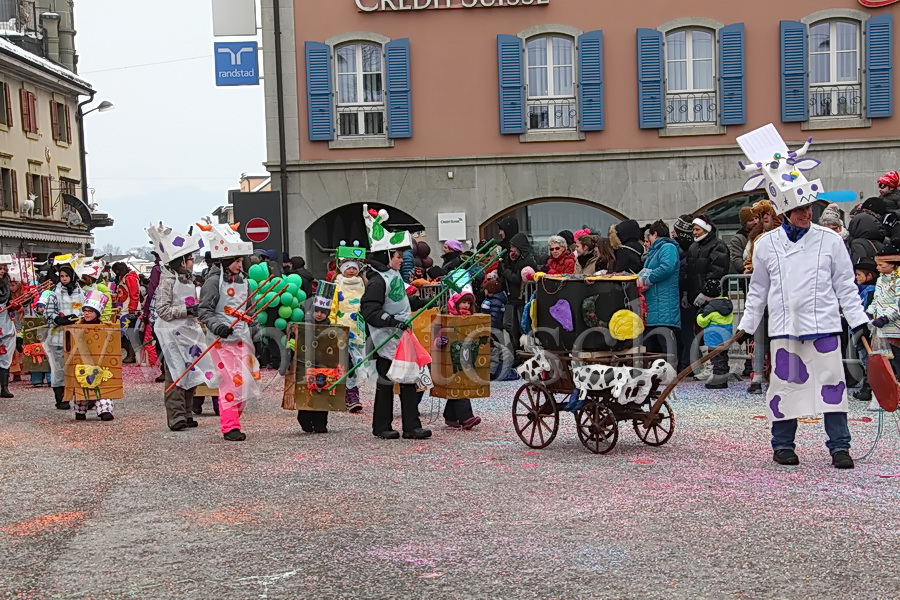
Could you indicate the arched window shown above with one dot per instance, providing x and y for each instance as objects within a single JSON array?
[
  {"x": 359, "y": 78},
  {"x": 550, "y": 61},
  {"x": 690, "y": 76},
  {"x": 834, "y": 69}
]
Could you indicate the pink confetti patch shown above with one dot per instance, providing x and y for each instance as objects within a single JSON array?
[
  {"x": 531, "y": 454},
  {"x": 643, "y": 461},
  {"x": 759, "y": 417},
  {"x": 529, "y": 465},
  {"x": 862, "y": 420},
  {"x": 887, "y": 476},
  {"x": 431, "y": 575}
]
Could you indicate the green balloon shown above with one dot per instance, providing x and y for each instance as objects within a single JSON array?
[
  {"x": 294, "y": 302},
  {"x": 253, "y": 284},
  {"x": 301, "y": 296},
  {"x": 269, "y": 299},
  {"x": 280, "y": 324},
  {"x": 286, "y": 299},
  {"x": 285, "y": 312},
  {"x": 297, "y": 315},
  {"x": 284, "y": 340},
  {"x": 292, "y": 288},
  {"x": 262, "y": 318},
  {"x": 295, "y": 279}
]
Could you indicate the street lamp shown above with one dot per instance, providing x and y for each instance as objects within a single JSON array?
[{"x": 104, "y": 106}]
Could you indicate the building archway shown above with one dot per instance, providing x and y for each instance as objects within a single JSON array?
[
  {"x": 542, "y": 217},
  {"x": 346, "y": 223}
]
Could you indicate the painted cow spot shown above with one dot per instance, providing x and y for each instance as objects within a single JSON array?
[
  {"x": 826, "y": 344},
  {"x": 833, "y": 394},
  {"x": 790, "y": 368},
  {"x": 773, "y": 405}
]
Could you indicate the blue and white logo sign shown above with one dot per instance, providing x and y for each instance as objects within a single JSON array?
[{"x": 237, "y": 63}]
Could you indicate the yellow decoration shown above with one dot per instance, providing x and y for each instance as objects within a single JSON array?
[
  {"x": 538, "y": 275},
  {"x": 90, "y": 377},
  {"x": 625, "y": 325}
]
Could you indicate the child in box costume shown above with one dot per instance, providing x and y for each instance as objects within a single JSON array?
[
  {"x": 91, "y": 371},
  {"x": 469, "y": 364}
]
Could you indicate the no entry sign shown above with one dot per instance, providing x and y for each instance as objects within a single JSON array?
[{"x": 257, "y": 230}]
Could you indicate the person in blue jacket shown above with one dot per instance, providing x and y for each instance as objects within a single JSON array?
[{"x": 658, "y": 280}]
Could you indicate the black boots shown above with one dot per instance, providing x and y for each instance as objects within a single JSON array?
[
  {"x": 58, "y": 393},
  {"x": 4, "y": 384}
]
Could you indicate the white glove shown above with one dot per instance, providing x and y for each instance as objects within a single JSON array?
[{"x": 700, "y": 300}]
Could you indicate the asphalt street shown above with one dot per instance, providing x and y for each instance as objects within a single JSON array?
[{"x": 129, "y": 509}]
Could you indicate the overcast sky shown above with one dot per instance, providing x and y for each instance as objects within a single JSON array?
[{"x": 175, "y": 143}]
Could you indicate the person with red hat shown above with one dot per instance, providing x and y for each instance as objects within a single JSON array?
[{"x": 889, "y": 190}]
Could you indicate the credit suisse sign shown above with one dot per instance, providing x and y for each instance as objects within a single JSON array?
[
  {"x": 398, "y": 5},
  {"x": 877, "y": 3}
]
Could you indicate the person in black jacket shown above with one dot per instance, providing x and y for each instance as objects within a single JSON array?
[
  {"x": 452, "y": 255},
  {"x": 866, "y": 231},
  {"x": 509, "y": 227},
  {"x": 629, "y": 254},
  {"x": 707, "y": 258},
  {"x": 386, "y": 309},
  {"x": 298, "y": 266},
  {"x": 520, "y": 256}
]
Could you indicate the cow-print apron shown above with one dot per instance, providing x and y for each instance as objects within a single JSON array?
[{"x": 807, "y": 378}]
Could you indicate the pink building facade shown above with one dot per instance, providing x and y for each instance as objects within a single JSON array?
[{"x": 568, "y": 112}]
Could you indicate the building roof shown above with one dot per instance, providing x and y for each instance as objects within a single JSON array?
[{"x": 48, "y": 66}]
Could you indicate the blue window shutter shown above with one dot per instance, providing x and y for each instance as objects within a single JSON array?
[
  {"x": 590, "y": 81},
  {"x": 732, "y": 84},
  {"x": 511, "y": 76},
  {"x": 879, "y": 66},
  {"x": 651, "y": 92},
  {"x": 319, "y": 93},
  {"x": 399, "y": 100},
  {"x": 794, "y": 72}
]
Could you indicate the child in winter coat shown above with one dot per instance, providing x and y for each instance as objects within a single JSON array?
[
  {"x": 458, "y": 413},
  {"x": 716, "y": 317},
  {"x": 884, "y": 309},
  {"x": 866, "y": 275},
  {"x": 94, "y": 304},
  {"x": 494, "y": 304}
]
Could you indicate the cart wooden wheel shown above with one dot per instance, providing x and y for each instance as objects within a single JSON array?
[
  {"x": 597, "y": 427},
  {"x": 661, "y": 427},
  {"x": 535, "y": 416}
]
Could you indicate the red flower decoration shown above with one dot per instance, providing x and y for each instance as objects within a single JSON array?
[{"x": 373, "y": 212}]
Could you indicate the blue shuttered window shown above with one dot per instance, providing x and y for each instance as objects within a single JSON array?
[
  {"x": 511, "y": 80},
  {"x": 794, "y": 72},
  {"x": 397, "y": 84},
  {"x": 590, "y": 78},
  {"x": 651, "y": 94},
  {"x": 879, "y": 66},
  {"x": 319, "y": 92},
  {"x": 732, "y": 82}
]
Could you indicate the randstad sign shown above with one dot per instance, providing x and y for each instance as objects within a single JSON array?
[
  {"x": 398, "y": 5},
  {"x": 237, "y": 63}
]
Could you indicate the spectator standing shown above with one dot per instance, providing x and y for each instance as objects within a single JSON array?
[
  {"x": 889, "y": 190},
  {"x": 509, "y": 227},
  {"x": 739, "y": 240},
  {"x": 587, "y": 254},
  {"x": 520, "y": 256},
  {"x": 716, "y": 317},
  {"x": 768, "y": 220},
  {"x": 128, "y": 297},
  {"x": 569, "y": 237},
  {"x": 451, "y": 255},
  {"x": 831, "y": 218},
  {"x": 561, "y": 260},
  {"x": 630, "y": 252},
  {"x": 298, "y": 266},
  {"x": 866, "y": 231},
  {"x": 707, "y": 258},
  {"x": 659, "y": 282}
]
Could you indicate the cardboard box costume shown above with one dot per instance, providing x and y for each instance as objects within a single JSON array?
[
  {"x": 93, "y": 362},
  {"x": 321, "y": 357},
  {"x": 461, "y": 356}
]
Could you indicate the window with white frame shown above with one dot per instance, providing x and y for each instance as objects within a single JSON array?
[
  {"x": 834, "y": 69},
  {"x": 690, "y": 77},
  {"x": 551, "y": 102},
  {"x": 360, "y": 90}
]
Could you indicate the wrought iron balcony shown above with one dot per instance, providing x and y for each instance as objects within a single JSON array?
[
  {"x": 552, "y": 113},
  {"x": 835, "y": 101},
  {"x": 691, "y": 107},
  {"x": 360, "y": 120}
]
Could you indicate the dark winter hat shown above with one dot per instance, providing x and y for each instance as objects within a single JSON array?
[
  {"x": 745, "y": 214},
  {"x": 492, "y": 285},
  {"x": 628, "y": 231},
  {"x": 712, "y": 288},
  {"x": 568, "y": 236},
  {"x": 684, "y": 224},
  {"x": 435, "y": 273},
  {"x": 890, "y": 252},
  {"x": 876, "y": 205},
  {"x": 865, "y": 264}
]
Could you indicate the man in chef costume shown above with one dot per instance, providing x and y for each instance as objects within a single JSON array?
[{"x": 802, "y": 273}]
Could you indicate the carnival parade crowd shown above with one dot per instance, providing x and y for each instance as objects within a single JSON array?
[{"x": 208, "y": 343}]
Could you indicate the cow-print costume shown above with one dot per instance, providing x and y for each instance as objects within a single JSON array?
[{"x": 623, "y": 384}]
